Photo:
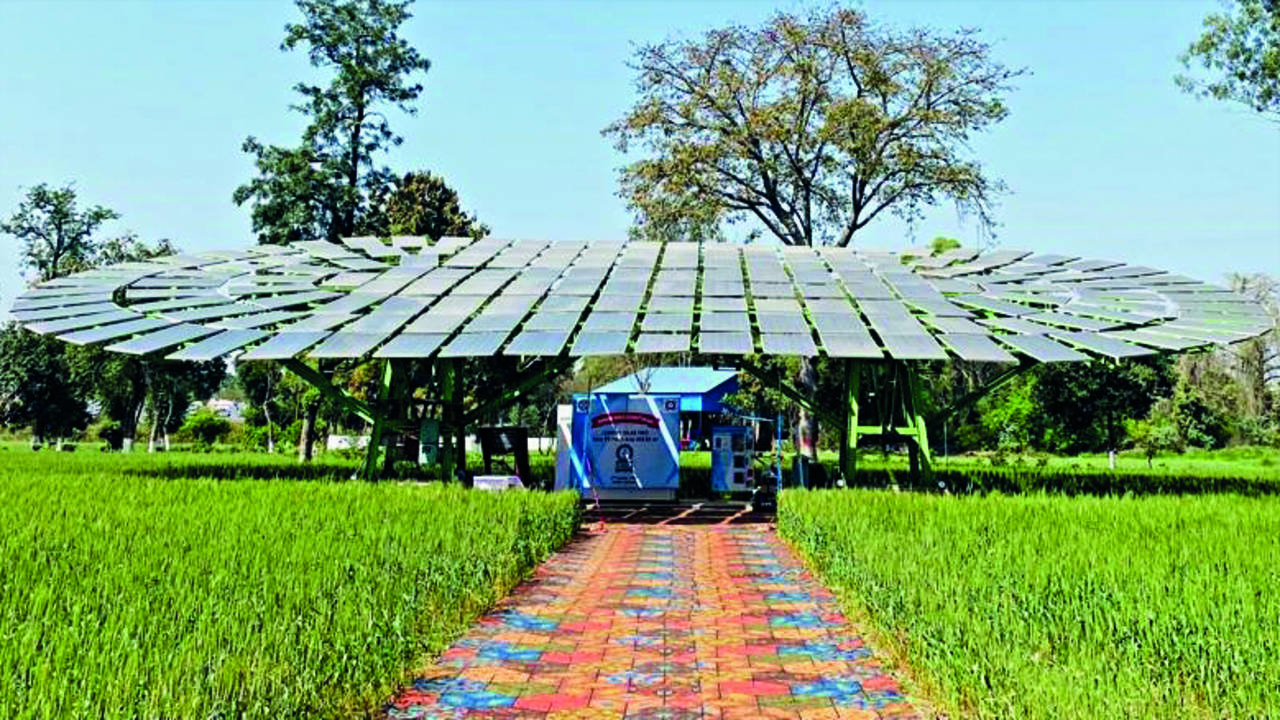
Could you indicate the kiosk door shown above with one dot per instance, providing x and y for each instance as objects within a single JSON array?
[{"x": 730, "y": 459}]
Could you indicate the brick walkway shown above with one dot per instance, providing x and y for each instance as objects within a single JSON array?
[{"x": 661, "y": 621}]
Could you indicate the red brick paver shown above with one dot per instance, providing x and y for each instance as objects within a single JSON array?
[{"x": 661, "y": 622}]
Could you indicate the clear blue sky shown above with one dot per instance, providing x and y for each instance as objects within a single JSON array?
[{"x": 144, "y": 105}]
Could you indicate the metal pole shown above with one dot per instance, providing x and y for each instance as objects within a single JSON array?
[
  {"x": 446, "y": 420},
  {"x": 849, "y": 449},
  {"x": 917, "y": 421},
  {"x": 381, "y": 405}
]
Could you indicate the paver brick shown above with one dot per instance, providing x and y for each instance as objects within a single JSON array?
[{"x": 649, "y": 622}]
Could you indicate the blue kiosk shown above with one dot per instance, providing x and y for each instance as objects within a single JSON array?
[{"x": 626, "y": 436}]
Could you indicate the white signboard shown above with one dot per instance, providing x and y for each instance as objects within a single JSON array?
[{"x": 628, "y": 444}]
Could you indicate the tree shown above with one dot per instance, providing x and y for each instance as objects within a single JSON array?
[
  {"x": 422, "y": 204},
  {"x": 171, "y": 389},
  {"x": 812, "y": 125},
  {"x": 1239, "y": 51},
  {"x": 36, "y": 387},
  {"x": 319, "y": 189},
  {"x": 57, "y": 236},
  {"x": 1083, "y": 406}
]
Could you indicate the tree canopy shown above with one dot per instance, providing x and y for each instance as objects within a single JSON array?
[
  {"x": 57, "y": 235},
  {"x": 422, "y": 204},
  {"x": 319, "y": 188},
  {"x": 1238, "y": 56},
  {"x": 811, "y": 126}
]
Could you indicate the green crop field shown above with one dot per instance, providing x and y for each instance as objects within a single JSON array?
[
  {"x": 1047, "y": 606},
  {"x": 130, "y": 587}
]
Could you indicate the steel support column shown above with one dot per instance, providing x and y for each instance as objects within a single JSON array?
[
  {"x": 849, "y": 444},
  {"x": 382, "y": 405},
  {"x": 925, "y": 462},
  {"x": 447, "y": 389}
]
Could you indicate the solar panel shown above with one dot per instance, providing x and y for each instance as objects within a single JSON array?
[
  {"x": 487, "y": 321},
  {"x": 347, "y": 344},
  {"x": 1155, "y": 339},
  {"x": 1000, "y": 307},
  {"x": 1075, "y": 322},
  {"x": 42, "y": 302},
  {"x": 211, "y": 312},
  {"x": 851, "y": 345},
  {"x": 618, "y": 303},
  {"x": 177, "y": 304},
  {"x": 604, "y": 342},
  {"x": 1012, "y": 325},
  {"x": 1041, "y": 348},
  {"x": 609, "y": 321},
  {"x": 737, "y": 304},
  {"x": 284, "y": 301},
  {"x": 976, "y": 348},
  {"x": 538, "y": 342},
  {"x": 670, "y": 304},
  {"x": 912, "y": 346},
  {"x": 1114, "y": 348},
  {"x": 725, "y": 322},
  {"x": 432, "y": 322},
  {"x": 458, "y": 304},
  {"x": 473, "y": 344},
  {"x": 564, "y": 303},
  {"x": 321, "y": 321},
  {"x": 781, "y": 323},
  {"x": 662, "y": 343},
  {"x": 561, "y": 321},
  {"x": 789, "y": 306},
  {"x": 411, "y": 345},
  {"x": 782, "y": 343},
  {"x": 214, "y": 347},
  {"x": 725, "y": 343},
  {"x": 667, "y": 322},
  {"x": 82, "y": 321},
  {"x": 111, "y": 332},
  {"x": 955, "y": 325},
  {"x": 62, "y": 312},
  {"x": 285, "y": 345},
  {"x": 723, "y": 288},
  {"x": 160, "y": 339}
]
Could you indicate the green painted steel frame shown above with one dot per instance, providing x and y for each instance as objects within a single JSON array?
[
  {"x": 899, "y": 404},
  {"x": 454, "y": 418}
]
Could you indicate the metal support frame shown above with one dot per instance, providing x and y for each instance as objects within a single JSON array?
[
  {"x": 849, "y": 439},
  {"x": 380, "y": 420},
  {"x": 978, "y": 393},
  {"x": 538, "y": 372},
  {"x": 777, "y": 382},
  {"x": 317, "y": 380},
  {"x": 380, "y": 412},
  {"x": 447, "y": 390},
  {"x": 898, "y": 406}
]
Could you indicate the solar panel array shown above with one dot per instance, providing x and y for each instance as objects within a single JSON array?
[{"x": 459, "y": 297}]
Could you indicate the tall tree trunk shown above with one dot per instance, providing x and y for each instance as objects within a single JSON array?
[
  {"x": 307, "y": 437},
  {"x": 807, "y": 435},
  {"x": 271, "y": 440},
  {"x": 155, "y": 433}
]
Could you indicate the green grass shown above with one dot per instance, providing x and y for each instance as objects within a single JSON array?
[
  {"x": 127, "y": 592},
  {"x": 1060, "y": 607}
]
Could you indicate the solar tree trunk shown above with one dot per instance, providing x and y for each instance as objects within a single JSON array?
[{"x": 307, "y": 436}]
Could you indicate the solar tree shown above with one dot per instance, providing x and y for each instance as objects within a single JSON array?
[{"x": 547, "y": 303}]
